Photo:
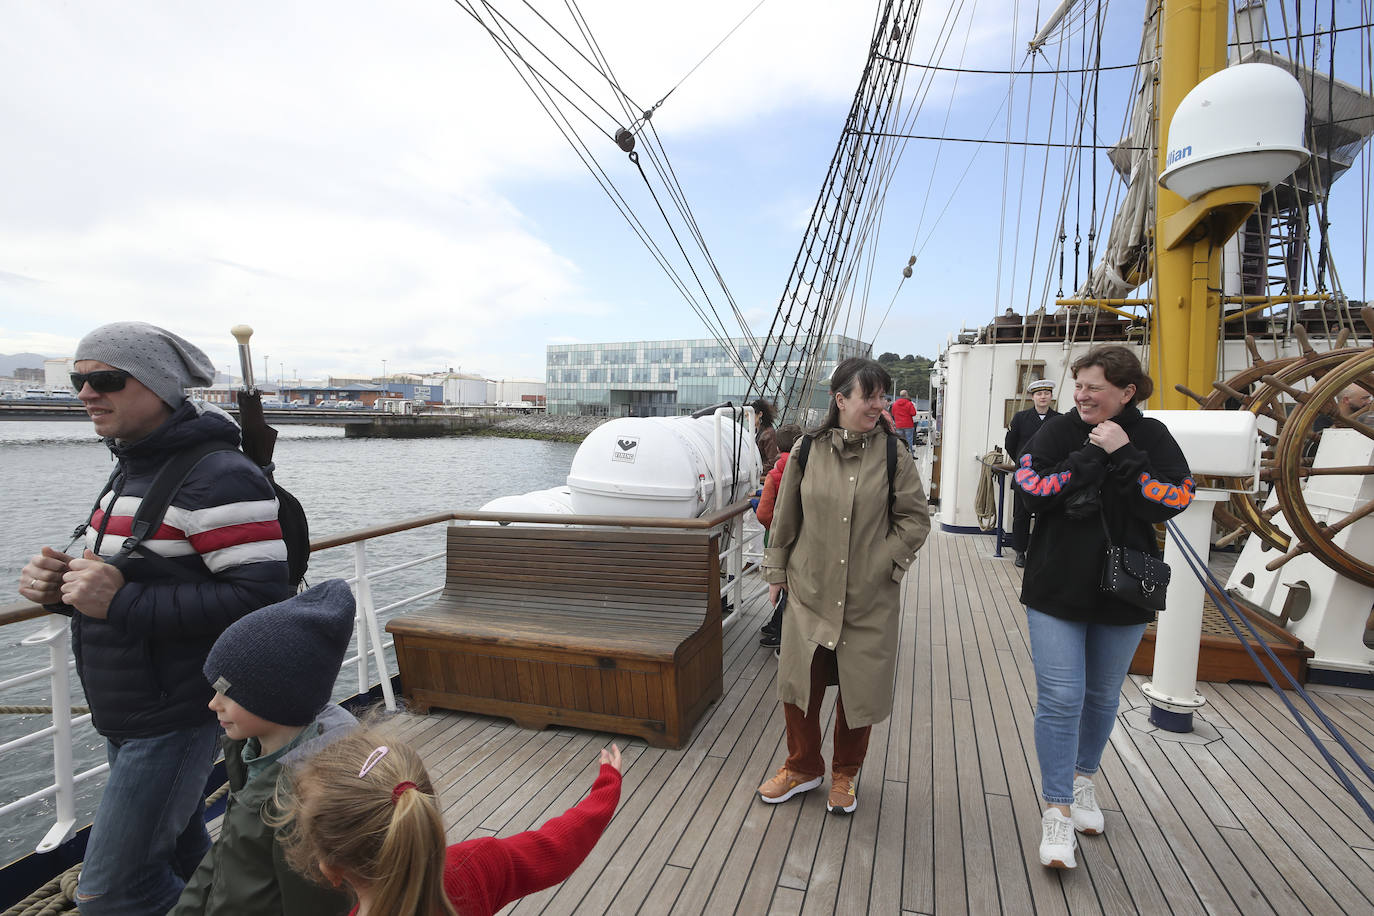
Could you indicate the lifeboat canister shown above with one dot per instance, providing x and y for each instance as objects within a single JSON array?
[
  {"x": 538, "y": 502},
  {"x": 660, "y": 467}
]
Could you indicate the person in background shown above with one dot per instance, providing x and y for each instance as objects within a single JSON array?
[
  {"x": 1025, "y": 424},
  {"x": 1101, "y": 474},
  {"x": 765, "y": 436},
  {"x": 844, "y": 534},
  {"x": 904, "y": 418},
  {"x": 788, "y": 433},
  {"x": 272, "y": 672},
  {"x": 363, "y": 814},
  {"x": 142, "y": 626}
]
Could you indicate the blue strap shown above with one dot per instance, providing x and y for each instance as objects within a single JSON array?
[{"x": 1231, "y": 615}]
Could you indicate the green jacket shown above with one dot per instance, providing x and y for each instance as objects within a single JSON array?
[{"x": 245, "y": 872}]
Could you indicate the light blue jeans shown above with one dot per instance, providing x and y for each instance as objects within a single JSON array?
[
  {"x": 149, "y": 832},
  {"x": 1079, "y": 669}
]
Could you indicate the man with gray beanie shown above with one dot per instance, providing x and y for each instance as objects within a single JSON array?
[{"x": 143, "y": 624}]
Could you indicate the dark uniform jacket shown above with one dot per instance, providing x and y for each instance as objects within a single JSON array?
[
  {"x": 141, "y": 666},
  {"x": 1071, "y": 485},
  {"x": 1024, "y": 424}
]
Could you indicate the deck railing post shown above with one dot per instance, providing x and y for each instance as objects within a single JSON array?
[
  {"x": 57, "y": 636},
  {"x": 369, "y": 628}
]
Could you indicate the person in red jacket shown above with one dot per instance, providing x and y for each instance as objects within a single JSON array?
[
  {"x": 904, "y": 418},
  {"x": 363, "y": 813}
]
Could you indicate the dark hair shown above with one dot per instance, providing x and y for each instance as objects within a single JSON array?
[
  {"x": 787, "y": 436},
  {"x": 1120, "y": 366},
  {"x": 868, "y": 375},
  {"x": 765, "y": 411}
]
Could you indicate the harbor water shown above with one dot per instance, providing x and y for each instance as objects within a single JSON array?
[{"x": 53, "y": 471}]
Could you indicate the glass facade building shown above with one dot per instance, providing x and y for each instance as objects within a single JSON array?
[{"x": 669, "y": 378}]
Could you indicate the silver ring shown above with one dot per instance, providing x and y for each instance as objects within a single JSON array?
[{"x": 33, "y": 582}]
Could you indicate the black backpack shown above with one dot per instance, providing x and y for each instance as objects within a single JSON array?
[
  {"x": 805, "y": 449},
  {"x": 295, "y": 529}
]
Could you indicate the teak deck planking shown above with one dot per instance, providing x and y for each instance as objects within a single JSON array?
[{"x": 1241, "y": 816}]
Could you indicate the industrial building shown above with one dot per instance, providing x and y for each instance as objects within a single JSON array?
[{"x": 669, "y": 378}]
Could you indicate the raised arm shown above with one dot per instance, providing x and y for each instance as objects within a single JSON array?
[
  {"x": 1058, "y": 464},
  {"x": 1156, "y": 484}
]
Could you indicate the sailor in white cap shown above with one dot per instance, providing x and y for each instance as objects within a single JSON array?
[{"x": 1025, "y": 424}]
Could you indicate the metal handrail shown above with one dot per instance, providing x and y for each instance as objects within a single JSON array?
[{"x": 56, "y": 636}]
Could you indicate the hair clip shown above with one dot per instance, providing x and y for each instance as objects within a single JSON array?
[
  {"x": 372, "y": 759},
  {"x": 400, "y": 789}
]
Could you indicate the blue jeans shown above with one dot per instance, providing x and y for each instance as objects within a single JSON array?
[
  {"x": 909, "y": 434},
  {"x": 149, "y": 833},
  {"x": 1079, "y": 669}
]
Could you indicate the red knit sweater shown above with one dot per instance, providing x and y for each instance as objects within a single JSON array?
[{"x": 483, "y": 875}]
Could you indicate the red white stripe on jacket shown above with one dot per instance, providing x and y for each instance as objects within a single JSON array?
[{"x": 225, "y": 536}]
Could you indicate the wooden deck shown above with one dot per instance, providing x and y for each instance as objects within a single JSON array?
[{"x": 1242, "y": 816}]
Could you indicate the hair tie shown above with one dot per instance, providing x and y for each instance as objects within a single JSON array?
[
  {"x": 371, "y": 761},
  {"x": 400, "y": 789}
]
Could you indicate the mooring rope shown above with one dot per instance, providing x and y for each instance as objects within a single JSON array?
[
  {"x": 57, "y": 896},
  {"x": 1230, "y": 613},
  {"x": 39, "y": 710}
]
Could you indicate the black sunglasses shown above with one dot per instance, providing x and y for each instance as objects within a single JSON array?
[{"x": 102, "y": 381}]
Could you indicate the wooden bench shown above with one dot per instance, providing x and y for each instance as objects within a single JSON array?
[{"x": 608, "y": 630}]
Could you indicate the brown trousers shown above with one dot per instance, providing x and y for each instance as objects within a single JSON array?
[{"x": 804, "y": 728}]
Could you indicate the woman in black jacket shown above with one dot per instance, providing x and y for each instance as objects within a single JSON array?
[{"x": 1100, "y": 468}]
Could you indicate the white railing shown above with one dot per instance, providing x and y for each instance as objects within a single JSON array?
[{"x": 371, "y": 653}]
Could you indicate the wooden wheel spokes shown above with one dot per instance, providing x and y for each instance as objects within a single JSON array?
[
  {"x": 1312, "y": 536},
  {"x": 1266, "y": 388}
]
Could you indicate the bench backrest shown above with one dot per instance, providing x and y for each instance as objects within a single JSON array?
[{"x": 590, "y": 563}]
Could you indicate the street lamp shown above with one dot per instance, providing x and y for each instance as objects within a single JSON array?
[{"x": 386, "y": 385}]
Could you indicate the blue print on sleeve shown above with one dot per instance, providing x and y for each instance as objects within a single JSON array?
[
  {"x": 1033, "y": 483},
  {"x": 1167, "y": 494}
]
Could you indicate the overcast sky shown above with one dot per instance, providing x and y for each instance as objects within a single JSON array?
[{"x": 364, "y": 181}]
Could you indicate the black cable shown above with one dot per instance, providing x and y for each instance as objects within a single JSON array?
[{"x": 990, "y": 142}]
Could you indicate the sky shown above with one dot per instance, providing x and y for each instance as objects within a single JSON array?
[{"x": 371, "y": 186}]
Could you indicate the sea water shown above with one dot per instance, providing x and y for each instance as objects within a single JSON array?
[{"x": 52, "y": 472}]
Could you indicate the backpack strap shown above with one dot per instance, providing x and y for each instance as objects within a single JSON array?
[
  {"x": 802, "y": 452},
  {"x": 79, "y": 531},
  {"x": 891, "y": 473},
  {"x": 153, "y": 508}
]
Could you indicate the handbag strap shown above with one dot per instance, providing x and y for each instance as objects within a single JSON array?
[{"x": 1102, "y": 517}]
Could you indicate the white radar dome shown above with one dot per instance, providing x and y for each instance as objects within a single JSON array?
[{"x": 1242, "y": 125}]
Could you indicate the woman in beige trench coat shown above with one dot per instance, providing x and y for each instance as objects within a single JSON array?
[{"x": 841, "y": 552}]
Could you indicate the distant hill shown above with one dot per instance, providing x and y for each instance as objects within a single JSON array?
[{"x": 20, "y": 361}]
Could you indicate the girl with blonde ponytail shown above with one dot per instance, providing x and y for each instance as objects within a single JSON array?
[{"x": 363, "y": 814}]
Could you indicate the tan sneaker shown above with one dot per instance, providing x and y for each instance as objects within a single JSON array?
[
  {"x": 842, "y": 799},
  {"x": 786, "y": 784}
]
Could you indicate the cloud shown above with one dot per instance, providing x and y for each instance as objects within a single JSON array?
[{"x": 365, "y": 181}]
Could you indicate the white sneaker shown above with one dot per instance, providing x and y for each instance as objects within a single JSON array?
[
  {"x": 1087, "y": 817},
  {"x": 1057, "y": 840}
]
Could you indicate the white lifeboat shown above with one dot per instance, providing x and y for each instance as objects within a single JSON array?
[{"x": 662, "y": 467}]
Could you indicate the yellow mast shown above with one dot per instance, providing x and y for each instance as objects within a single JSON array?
[{"x": 1189, "y": 236}]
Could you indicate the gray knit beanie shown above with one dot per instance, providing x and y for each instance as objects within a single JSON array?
[
  {"x": 280, "y": 663},
  {"x": 165, "y": 363}
]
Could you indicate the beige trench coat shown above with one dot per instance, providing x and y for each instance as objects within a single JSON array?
[{"x": 842, "y": 559}]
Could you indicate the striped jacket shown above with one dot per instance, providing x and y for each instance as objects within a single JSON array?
[{"x": 141, "y": 667}]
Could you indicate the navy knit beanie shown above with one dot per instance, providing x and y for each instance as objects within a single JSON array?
[
  {"x": 164, "y": 362},
  {"x": 280, "y": 663}
]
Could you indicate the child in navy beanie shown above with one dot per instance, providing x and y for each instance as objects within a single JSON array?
[{"x": 273, "y": 672}]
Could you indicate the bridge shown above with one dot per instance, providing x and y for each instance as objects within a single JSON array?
[{"x": 357, "y": 423}]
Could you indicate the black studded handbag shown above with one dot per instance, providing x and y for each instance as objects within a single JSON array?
[{"x": 1133, "y": 576}]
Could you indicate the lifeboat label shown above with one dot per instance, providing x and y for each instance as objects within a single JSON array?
[{"x": 626, "y": 447}]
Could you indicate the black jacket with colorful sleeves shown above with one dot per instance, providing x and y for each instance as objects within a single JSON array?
[{"x": 1072, "y": 485}]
